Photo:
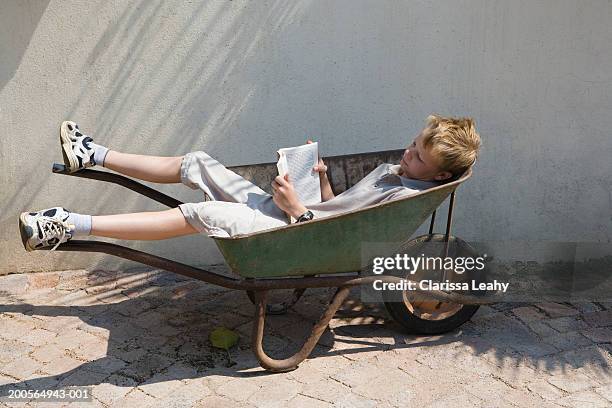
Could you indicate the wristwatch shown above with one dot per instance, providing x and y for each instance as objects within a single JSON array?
[{"x": 307, "y": 216}]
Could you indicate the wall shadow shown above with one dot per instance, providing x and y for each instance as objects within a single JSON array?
[
  {"x": 146, "y": 84},
  {"x": 18, "y": 21}
]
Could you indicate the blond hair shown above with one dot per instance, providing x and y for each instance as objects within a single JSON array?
[{"x": 453, "y": 141}]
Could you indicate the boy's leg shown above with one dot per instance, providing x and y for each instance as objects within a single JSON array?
[
  {"x": 57, "y": 225},
  {"x": 80, "y": 152},
  {"x": 156, "y": 169},
  {"x": 197, "y": 169},
  {"x": 54, "y": 226},
  {"x": 142, "y": 226},
  {"x": 201, "y": 171}
]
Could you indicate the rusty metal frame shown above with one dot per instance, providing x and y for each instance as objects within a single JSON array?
[
  {"x": 258, "y": 288},
  {"x": 348, "y": 279},
  {"x": 292, "y": 362},
  {"x": 122, "y": 181},
  {"x": 282, "y": 307}
]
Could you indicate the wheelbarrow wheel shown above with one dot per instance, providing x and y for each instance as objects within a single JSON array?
[
  {"x": 429, "y": 317},
  {"x": 418, "y": 314}
]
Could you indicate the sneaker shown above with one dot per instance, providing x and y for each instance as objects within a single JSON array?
[
  {"x": 45, "y": 228},
  {"x": 76, "y": 149}
]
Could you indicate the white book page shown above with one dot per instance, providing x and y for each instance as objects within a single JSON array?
[{"x": 298, "y": 163}]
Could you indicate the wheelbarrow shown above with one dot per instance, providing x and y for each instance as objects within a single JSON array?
[{"x": 322, "y": 253}]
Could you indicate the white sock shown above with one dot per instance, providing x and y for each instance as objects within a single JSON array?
[
  {"x": 99, "y": 153},
  {"x": 82, "y": 224}
]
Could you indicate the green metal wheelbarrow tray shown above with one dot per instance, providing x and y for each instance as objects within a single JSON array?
[{"x": 305, "y": 255}]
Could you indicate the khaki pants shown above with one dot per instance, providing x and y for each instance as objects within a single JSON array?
[{"x": 238, "y": 206}]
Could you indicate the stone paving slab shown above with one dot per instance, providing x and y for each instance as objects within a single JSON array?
[{"x": 140, "y": 338}]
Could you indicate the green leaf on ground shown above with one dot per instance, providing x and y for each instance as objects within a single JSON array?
[{"x": 223, "y": 338}]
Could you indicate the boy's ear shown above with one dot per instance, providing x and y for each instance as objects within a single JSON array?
[{"x": 445, "y": 175}]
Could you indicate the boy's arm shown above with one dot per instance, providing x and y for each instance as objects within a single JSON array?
[
  {"x": 326, "y": 190},
  {"x": 285, "y": 197}
]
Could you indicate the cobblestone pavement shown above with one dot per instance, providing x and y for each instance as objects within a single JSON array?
[{"x": 140, "y": 338}]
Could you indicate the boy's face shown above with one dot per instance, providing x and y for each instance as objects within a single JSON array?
[{"x": 418, "y": 163}]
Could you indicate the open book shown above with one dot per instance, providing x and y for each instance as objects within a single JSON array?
[{"x": 298, "y": 163}]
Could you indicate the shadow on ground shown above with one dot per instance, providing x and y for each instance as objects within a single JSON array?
[{"x": 131, "y": 329}]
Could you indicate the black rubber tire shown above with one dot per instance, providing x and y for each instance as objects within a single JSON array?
[{"x": 413, "y": 324}]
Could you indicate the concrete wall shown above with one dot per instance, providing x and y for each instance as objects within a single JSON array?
[{"x": 242, "y": 78}]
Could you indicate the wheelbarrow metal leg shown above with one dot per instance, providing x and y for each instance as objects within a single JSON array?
[
  {"x": 282, "y": 307},
  {"x": 292, "y": 362}
]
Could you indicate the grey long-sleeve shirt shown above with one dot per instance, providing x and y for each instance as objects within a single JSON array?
[{"x": 380, "y": 185}]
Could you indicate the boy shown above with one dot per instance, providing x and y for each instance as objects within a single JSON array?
[{"x": 445, "y": 148}]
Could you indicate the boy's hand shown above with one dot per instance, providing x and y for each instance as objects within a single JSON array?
[
  {"x": 285, "y": 197},
  {"x": 321, "y": 168}
]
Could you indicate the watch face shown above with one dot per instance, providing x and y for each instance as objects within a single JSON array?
[{"x": 307, "y": 216}]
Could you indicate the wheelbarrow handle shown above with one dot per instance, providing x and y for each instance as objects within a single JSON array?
[{"x": 122, "y": 181}]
